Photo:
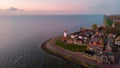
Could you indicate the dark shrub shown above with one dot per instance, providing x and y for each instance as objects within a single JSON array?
[{"x": 90, "y": 52}]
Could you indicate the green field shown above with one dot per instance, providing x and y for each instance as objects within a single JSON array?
[{"x": 71, "y": 47}]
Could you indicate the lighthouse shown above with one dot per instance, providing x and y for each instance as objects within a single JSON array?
[
  {"x": 65, "y": 33},
  {"x": 65, "y": 36}
]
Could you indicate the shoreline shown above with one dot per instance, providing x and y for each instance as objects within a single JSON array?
[{"x": 50, "y": 47}]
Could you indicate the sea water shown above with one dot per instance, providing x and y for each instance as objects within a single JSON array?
[{"x": 21, "y": 38}]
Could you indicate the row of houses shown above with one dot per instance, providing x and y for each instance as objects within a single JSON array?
[
  {"x": 97, "y": 41},
  {"x": 111, "y": 21},
  {"x": 88, "y": 37}
]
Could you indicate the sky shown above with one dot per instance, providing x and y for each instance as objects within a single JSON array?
[{"x": 33, "y": 7}]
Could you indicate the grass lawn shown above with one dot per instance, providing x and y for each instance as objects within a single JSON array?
[{"x": 71, "y": 47}]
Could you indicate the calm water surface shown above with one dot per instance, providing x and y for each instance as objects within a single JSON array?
[{"x": 21, "y": 38}]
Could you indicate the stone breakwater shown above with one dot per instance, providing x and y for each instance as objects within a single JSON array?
[{"x": 76, "y": 57}]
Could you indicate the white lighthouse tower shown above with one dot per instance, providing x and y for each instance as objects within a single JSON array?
[
  {"x": 65, "y": 36},
  {"x": 65, "y": 33}
]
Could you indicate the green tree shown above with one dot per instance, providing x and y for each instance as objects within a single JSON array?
[
  {"x": 94, "y": 26},
  {"x": 115, "y": 30},
  {"x": 107, "y": 21},
  {"x": 101, "y": 28}
]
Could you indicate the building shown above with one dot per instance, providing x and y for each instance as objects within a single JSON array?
[{"x": 117, "y": 41}]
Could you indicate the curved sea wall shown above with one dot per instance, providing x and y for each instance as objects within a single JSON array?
[{"x": 50, "y": 47}]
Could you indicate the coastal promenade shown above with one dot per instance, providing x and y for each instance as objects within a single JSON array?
[{"x": 76, "y": 57}]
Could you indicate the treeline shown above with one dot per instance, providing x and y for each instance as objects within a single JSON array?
[
  {"x": 114, "y": 30},
  {"x": 108, "y": 29}
]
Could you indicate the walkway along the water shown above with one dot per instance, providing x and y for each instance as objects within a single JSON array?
[{"x": 75, "y": 57}]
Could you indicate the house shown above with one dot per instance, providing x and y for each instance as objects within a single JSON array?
[
  {"x": 111, "y": 38},
  {"x": 115, "y": 18},
  {"x": 117, "y": 41}
]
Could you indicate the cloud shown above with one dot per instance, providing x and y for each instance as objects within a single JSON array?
[
  {"x": 0, "y": 9},
  {"x": 102, "y": 7},
  {"x": 106, "y": 9},
  {"x": 17, "y": 11},
  {"x": 13, "y": 9}
]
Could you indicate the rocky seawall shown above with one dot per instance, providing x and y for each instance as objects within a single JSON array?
[{"x": 75, "y": 57}]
